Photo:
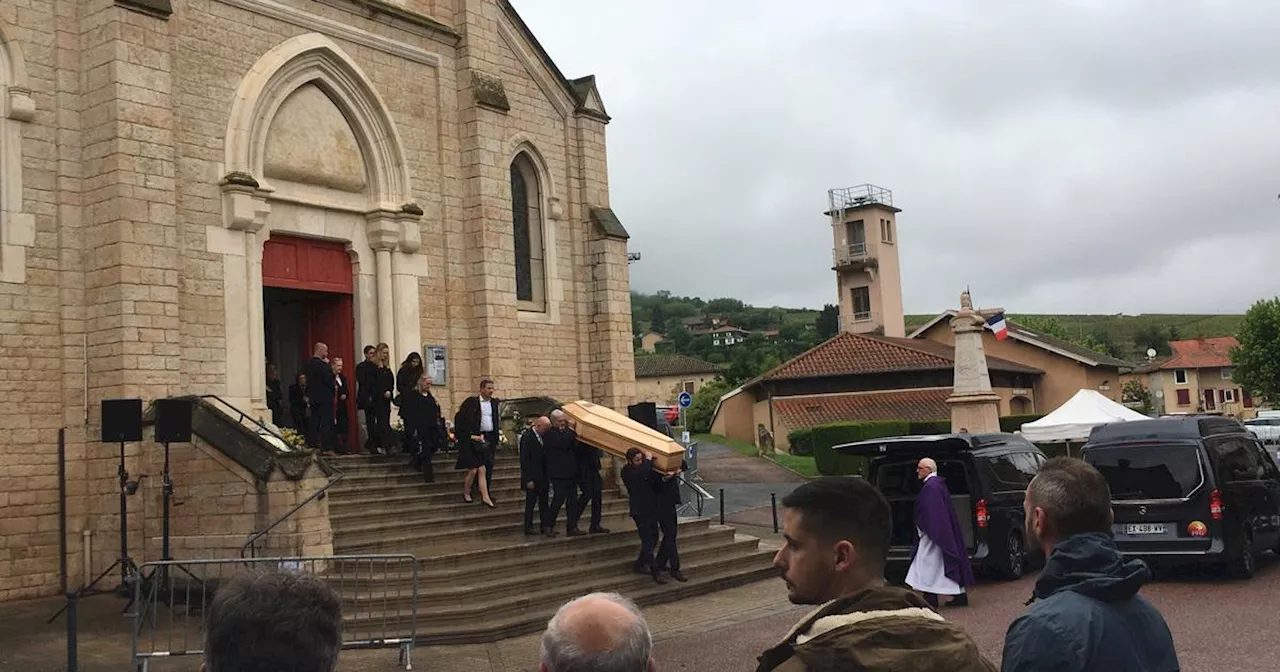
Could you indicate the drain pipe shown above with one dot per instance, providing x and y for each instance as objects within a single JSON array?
[{"x": 87, "y": 546}]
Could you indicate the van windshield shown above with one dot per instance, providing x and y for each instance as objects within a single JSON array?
[{"x": 1154, "y": 471}]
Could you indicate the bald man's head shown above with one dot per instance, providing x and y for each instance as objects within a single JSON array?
[{"x": 600, "y": 632}]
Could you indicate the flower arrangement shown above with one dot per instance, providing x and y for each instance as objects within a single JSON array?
[{"x": 294, "y": 438}]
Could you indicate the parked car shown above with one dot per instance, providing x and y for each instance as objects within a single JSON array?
[
  {"x": 1267, "y": 429},
  {"x": 1189, "y": 490},
  {"x": 987, "y": 475}
]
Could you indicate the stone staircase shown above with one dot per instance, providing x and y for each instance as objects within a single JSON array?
[{"x": 480, "y": 579}]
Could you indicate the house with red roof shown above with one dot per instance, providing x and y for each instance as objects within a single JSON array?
[
  {"x": 1197, "y": 378},
  {"x": 860, "y": 377}
]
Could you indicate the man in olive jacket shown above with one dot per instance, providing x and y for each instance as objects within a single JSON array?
[{"x": 837, "y": 531}]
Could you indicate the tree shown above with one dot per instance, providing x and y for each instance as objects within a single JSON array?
[
  {"x": 1256, "y": 362},
  {"x": 699, "y": 415},
  {"x": 1135, "y": 392},
  {"x": 658, "y": 318},
  {"x": 724, "y": 306},
  {"x": 827, "y": 322}
]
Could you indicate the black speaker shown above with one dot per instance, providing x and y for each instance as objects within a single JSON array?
[
  {"x": 173, "y": 420},
  {"x": 121, "y": 420},
  {"x": 645, "y": 413}
]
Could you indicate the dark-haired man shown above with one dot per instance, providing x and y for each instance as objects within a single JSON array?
[
  {"x": 1087, "y": 613},
  {"x": 273, "y": 620},
  {"x": 643, "y": 502},
  {"x": 837, "y": 535}
]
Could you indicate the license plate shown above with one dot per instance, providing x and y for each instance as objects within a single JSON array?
[{"x": 1144, "y": 528}]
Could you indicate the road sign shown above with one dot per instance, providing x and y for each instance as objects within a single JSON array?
[{"x": 686, "y": 400}]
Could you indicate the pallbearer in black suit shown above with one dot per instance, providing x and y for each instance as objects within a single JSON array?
[
  {"x": 320, "y": 396},
  {"x": 590, "y": 485},
  {"x": 667, "y": 490},
  {"x": 533, "y": 475},
  {"x": 637, "y": 477},
  {"x": 562, "y": 470},
  {"x": 477, "y": 424}
]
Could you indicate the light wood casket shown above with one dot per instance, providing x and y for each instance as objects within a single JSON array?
[{"x": 615, "y": 433}]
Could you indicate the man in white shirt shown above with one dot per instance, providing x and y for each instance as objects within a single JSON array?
[{"x": 478, "y": 418}]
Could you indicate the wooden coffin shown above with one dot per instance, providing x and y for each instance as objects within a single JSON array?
[{"x": 616, "y": 433}]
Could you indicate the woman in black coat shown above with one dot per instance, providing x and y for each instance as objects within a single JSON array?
[
  {"x": 422, "y": 425},
  {"x": 410, "y": 371}
]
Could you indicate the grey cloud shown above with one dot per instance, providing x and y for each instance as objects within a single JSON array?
[{"x": 1099, "y": 156}]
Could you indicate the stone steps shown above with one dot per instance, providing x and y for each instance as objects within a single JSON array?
[
  {"x": 614, "y": 549},
  {"x": 482, "y": 586},
  {"x": 480, "y": 520},
  {"x": 475, "y": 621},
  {"x": 479, "y": 577},
  {"x": 509, "y": 502}
]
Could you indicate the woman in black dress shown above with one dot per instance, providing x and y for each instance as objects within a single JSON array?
[
  {"x": 299, "y": 404},
  {"x": 341, "y": 419},
  {"x": 409, "y": 373},
  {"x": 471, "y": 455}
]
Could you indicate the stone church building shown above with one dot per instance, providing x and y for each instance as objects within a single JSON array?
[{"x": 190, "y": 189}]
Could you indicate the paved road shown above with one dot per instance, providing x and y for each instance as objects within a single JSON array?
[
  {"x": 1217, "y": 625},
  {"x": 748, "y": 484}
]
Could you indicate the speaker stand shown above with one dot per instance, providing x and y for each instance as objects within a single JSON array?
[{"x": 128, "y": 568}]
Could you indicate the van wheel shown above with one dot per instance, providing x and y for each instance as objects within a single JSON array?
[
  {"x": 1244, "y": 564},
  {"x": 1014, "y": 563}
]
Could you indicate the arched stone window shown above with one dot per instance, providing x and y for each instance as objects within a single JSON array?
[
  {"x": 17, "y": 227},
  {"x": 527, "y": 232}
]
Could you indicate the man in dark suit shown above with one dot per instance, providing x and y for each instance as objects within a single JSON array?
[
  {"x": 562, "y": 471},
  {"x": 366, "y": 381},
  {"x": 637, "y": 477},
  {"x": 320, "y": 393},
  {"x": 667, "y": 501},
  {"x": 590, "y": 485},
  {"x": 478, "y": 418},
  {"x": 533, "y": 475}
]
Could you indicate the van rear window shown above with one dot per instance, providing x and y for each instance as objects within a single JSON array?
[{"x": 1148, "y": 471}]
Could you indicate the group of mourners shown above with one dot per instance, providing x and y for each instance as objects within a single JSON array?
[{"x": 558, "y": 469}]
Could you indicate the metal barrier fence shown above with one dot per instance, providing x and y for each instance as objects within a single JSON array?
[{"x": 379, "y": 596}]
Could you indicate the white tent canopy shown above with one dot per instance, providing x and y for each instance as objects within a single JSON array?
[{"x": 1074, "y": 420}]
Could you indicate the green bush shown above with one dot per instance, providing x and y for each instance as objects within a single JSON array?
[
  {"x": 801, "y": 441},
  {"x": 1012, "y": 423},
  {"x": 929, "y": 427},
  {"x": 825, "y": 437}
]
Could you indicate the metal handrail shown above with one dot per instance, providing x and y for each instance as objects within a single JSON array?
[
  {"x": 700, "y": 492},
  {"x": 250, "y": 545},
  {"x": 335, "y": 474},
  {"x": 243, "y": 415}
]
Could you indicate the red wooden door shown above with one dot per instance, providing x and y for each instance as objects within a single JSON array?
[{"x": 330, "y": 321}]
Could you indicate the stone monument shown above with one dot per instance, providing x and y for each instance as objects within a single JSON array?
[{"x": 974, "y": 406}]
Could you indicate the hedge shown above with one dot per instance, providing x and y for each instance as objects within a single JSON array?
[
  {"x": 801, "y": 441},
  {"x": 1013, "y": 423},
  {"x": 825, "y": 437},
  {"x": 929, "y": 427}
]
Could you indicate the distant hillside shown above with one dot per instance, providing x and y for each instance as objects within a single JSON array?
[{"x": 1128, "y": 335}]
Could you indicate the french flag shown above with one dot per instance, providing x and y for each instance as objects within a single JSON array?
[{"x": 998, "y": 326}]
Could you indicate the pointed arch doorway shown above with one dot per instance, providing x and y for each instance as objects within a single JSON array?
[{"x": 307, "y": 298}]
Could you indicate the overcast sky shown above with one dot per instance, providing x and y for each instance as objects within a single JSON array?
[{"x": 1090, "y": 156}]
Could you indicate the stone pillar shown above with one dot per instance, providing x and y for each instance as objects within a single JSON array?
[
  {"x": 974, "y": 406},
  {"x": 257, "y": 325},
  {"x": 386, "y": 300}
]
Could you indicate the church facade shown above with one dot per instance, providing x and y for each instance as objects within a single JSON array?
[{"x": 193, "y": 189}]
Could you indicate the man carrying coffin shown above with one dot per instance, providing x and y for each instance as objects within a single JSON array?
[
  {"x": 533, "y": 475},
  {"x": 940, "y": 562}
]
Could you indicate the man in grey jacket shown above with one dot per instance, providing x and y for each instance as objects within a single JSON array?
[{"x": 1087, "y": 613}]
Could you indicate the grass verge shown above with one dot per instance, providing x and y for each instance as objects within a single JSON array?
[{"x": 805, "y": 466}]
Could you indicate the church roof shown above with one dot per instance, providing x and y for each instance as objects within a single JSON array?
[
  {"x": 582, "y": 90},
  {"x": 850, "y": 354},
  {"x": 910, "y": 405}
]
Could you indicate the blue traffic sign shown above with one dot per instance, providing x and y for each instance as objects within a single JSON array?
[{"x": 686, "y": 400}]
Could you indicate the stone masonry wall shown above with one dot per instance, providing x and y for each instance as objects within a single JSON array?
[{"x": 123, "y": 297}]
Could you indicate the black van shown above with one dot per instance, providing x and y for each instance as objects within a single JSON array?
[
  {"x": 987, "y": 475},
  {"x": 1189, "y": 489}
]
